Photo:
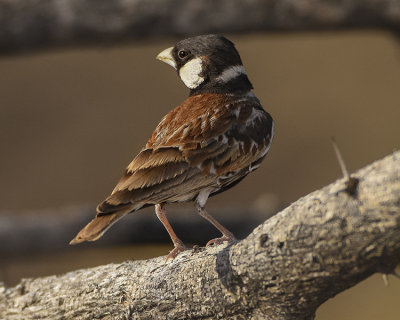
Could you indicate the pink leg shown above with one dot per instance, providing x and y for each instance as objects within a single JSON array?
[
  {"x": 178, "y": 244},
  {"x": 226, "y": 234}
]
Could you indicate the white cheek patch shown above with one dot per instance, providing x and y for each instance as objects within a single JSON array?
[
  {"x": 231, "y": 73},
  {"x": 190, "y": 73}
]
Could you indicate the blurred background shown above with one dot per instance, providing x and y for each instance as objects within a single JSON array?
[{"x": 71, "y": 119}]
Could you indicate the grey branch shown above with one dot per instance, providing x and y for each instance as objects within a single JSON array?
[
  {"x": 45, "y": 231},
  {"x": 319, "y": 246},
  {"x": 27, "y": 25}
]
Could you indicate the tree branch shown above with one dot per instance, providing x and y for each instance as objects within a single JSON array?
[
  {"x": 26, "y": 25},
  {"x": 49, "y": 230},
  {"x": 288, "y": 266}
]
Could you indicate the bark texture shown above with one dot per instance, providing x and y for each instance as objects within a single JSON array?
[
  {"x": 322, "y": 244},
  {"x": 27, "y": 25}
]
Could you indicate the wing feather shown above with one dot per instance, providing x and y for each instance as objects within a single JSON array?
[{"x": 191, "y": 147}]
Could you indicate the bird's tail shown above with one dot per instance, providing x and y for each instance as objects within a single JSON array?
[{"x": 100, "y": 224}]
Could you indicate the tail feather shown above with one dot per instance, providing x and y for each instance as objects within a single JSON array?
[{"x": 98, "y": 226}]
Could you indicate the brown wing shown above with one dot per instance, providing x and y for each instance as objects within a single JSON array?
[{"x": 207, "y": 142}]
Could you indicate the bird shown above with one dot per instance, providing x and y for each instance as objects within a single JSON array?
[{"x": 204, "y": 146}]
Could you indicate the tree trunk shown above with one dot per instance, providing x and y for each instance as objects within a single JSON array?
[{"x": 319, "y": 246}]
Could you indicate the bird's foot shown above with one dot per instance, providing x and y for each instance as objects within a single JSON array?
[
  {"x": 179, "y": 247},
  {"x": 225, "y": 238}
]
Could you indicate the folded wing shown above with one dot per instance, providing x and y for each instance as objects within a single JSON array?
[{"x": 194, "y": 147}]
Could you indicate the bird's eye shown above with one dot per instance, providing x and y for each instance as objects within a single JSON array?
[{"x": 182, "y": 54}]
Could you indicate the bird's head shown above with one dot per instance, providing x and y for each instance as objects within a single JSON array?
[{"x": 208, "y": 63}]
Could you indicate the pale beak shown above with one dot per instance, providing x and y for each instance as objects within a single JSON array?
[{"x": 166, "y": 56}]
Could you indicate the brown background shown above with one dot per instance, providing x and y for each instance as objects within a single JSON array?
[{"x": 70, "y": 121}]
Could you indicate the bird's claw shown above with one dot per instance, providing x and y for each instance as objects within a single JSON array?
[
  {"x": 217, "y": 241},
  {"x": 177, "y": 250}
]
